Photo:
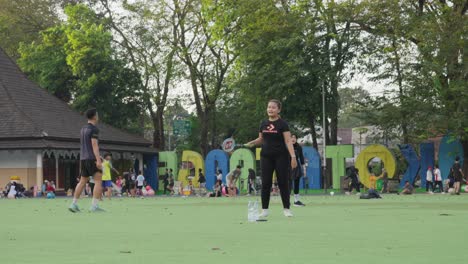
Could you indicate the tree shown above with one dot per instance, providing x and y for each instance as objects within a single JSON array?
[
  {"x": 147, "y": 40},
  {"x": 439, "y": 31},
  {"x": 22, "y": 21},
  {"x": 292, "y": 50},
  {"x": 207, "y": 59},
  {"x": 351, "y": 100},
  {"x": 75, "y": 62}
]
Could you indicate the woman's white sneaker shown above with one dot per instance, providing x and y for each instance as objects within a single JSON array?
[
  {"x": 264, "y": 213},
  {"x": 287, "y": 213}
]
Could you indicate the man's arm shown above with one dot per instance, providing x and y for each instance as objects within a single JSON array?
[{"x": 94, "y": 142}]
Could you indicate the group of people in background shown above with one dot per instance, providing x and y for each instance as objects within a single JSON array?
[
  {"x": 129, "y": 184},
  {"x": 434, "y": 181}
]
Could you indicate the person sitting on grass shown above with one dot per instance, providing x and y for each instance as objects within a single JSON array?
[
  {"x": 50, "y": 188},
  {"x": 216, "y": 191},
  {"x": 190, "y": 187},
  {"x": 407, "y": 189},
  {"x": 232, "y": 191},
  {"x": 118, "y": 184},
  {"x": 372, "y": 193},
  {"x": 50, "y": 191}
]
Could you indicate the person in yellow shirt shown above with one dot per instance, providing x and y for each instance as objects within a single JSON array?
[
  {"x": 107, "y": 175},
  {"x": 372, "y": 181}
]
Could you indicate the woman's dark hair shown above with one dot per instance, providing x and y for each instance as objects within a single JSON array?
[{"x": 277, "y": 102}]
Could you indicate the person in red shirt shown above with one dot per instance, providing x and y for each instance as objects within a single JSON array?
[{"x": 50, "y": 188}]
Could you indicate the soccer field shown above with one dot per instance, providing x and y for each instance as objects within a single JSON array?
[{"x": 330, "y": 229}]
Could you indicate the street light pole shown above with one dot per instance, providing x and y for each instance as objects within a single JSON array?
[{"x": 324, "y": 131}]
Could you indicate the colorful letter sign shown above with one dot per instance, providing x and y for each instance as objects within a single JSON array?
[{"x": 368, "y": 154}]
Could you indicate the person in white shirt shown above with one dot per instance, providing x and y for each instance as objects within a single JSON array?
[
  {"x": 429, "y": 180},
  {"x": 140, "y": 180},
  {"x": 438, "y": 179},
  {"x": 12, "y": 192},
  {"x": 219, "y": 177}
]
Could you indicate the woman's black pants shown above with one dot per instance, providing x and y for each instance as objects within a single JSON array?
[{"x": 281, "y": 165}]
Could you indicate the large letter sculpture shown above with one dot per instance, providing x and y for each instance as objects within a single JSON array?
[
  {"x": 313, "y": 172},
  {"x": 338, "y": 154},
  {"x": 369, "y": 153},
  {"x": 246, "y": 157},
  {"x": 449, "y": 149},
  {"x": 413, "y": 165},
  {"x": 216, "y": 159},
  {"x": 194, "y": 158}
]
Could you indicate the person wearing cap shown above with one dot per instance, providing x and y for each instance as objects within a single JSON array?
[{"x": 429, "y": 180}]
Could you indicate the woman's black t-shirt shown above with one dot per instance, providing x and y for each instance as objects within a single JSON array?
[{"x": 273, "y": 139}]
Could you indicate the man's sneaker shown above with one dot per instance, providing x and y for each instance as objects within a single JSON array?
[
  {"x": 299, "y": 204},
  {"x": 264, "y": 213},
  {"x": 287, "y": 213},
  {"x": 96, "y": 209},
  {"x": 74, "y": 208},
  {"x": 358, "y": 193}
]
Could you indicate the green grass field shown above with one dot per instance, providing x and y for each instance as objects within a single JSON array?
[{"x": 340, "y": 229}]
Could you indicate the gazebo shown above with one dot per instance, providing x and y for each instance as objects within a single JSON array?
[{"x": 39, "y": 136}]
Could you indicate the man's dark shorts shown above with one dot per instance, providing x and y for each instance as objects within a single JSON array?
[{"x": 89, "y": 168}]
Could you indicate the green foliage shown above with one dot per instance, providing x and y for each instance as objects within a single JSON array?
[
  {"x": 22, "y": 21},
  {"x": 75, "y": 61}
]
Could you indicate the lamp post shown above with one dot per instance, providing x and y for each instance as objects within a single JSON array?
[{"x": 324, "y": 142}]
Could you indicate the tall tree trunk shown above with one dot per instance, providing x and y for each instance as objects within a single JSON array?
[
  {"x": 327, "y": 132},
  {"x": 404, "y": 124},
  {"x": 160, "y": 120},
  {"x": 313, "y": 132},
  {"x": 213, "y": 130},
  {"x": 205, "y": 126},
  {"x": 334, "y": 129},
  {"x": 464, "y": 143},
  {"x": 157, "y": 119},
  {"x": 156, "y": 132}
]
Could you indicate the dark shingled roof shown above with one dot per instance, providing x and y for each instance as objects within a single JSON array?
[{"x": 30, "y": 117}]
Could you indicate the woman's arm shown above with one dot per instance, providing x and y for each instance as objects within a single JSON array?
[
  {"x": 289, "y": 145},
  {"x": 256, "y": 142}
]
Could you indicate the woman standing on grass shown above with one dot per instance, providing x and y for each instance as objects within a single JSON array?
[{"x": 277, "y": 155}]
